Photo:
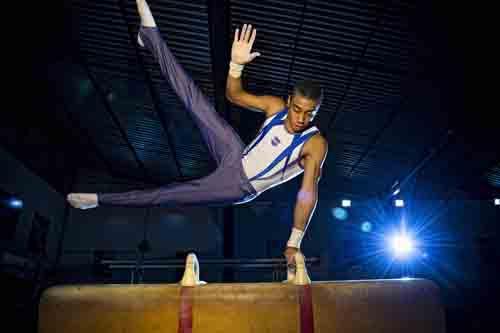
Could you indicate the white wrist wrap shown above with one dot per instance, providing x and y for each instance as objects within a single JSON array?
[
  {"x": 295, "y": 238},
  {"x": 235, "y": 69}
]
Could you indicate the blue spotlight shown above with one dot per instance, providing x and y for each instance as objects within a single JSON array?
[
  {"x": 15, "y": 203},
  {"x": 366, "y": 226},
  {"x": 340, "y": 213},
  {"x": 346, "y": 203},
  {"x": 401, "y": 245}
]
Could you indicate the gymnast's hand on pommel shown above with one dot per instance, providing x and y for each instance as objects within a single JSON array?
[
  {"x": 290, "y": 255},
  {"x": 242, "y": 45}
]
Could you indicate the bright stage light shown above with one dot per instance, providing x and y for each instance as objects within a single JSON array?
[
  {"x": 15, "y": 203},
  {"x": 401, "y": 245},
  {"x": 399, "y": 203},
  {"x": 346, "y": 203}
]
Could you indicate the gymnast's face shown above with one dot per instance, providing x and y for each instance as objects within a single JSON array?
[{"x": 300, "y": 112}]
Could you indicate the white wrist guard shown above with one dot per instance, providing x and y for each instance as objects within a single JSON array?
[
  {"x": 235, "y": 69},
  {"x": 295, "y": 238}
]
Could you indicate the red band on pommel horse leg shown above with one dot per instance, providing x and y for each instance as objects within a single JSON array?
[
  {"x": 306, "y": 309},
  {"x": 186, "y": 311}
]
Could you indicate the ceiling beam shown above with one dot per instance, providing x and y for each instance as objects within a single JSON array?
[
  {"x": 370, "y": 146},
  {"x": 295, "y": 42},
  {"x": 84, "y": 132},
  {"x": 114, "y": 117},
  {"x": 219, "y": 33},
  {"x": 220, "y": 43},
  {"x": 355, "y": 69}
]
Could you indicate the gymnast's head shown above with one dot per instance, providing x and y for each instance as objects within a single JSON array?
[{"x": 304, "y": 103}]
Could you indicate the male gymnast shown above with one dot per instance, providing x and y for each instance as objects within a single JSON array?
[{"x": 286, "y": 145}]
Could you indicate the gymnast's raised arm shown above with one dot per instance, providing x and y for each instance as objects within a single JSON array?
[{"x": 240, "y": 56}]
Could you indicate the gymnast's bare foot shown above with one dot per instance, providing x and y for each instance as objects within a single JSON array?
[
  {"x": 147, "y": 19},
  {"x": 83, "y": 200}
]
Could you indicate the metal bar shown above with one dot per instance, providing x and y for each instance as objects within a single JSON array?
[
  {"x": 205, "y": 261},
  {"x": 159, "y": 266}
]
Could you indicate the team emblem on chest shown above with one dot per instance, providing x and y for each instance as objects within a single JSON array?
[{"x": 275, "y": 141}]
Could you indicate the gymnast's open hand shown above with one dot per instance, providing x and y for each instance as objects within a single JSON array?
[{"x": 242, "y": 45}]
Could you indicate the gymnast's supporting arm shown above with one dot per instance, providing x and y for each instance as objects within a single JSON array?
[{"x": 315, "y": 152}]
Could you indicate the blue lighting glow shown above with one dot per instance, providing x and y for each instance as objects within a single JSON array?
[
  {"x": 402, "y": 245},
  {"x": 340, "y": 213},
  {"x": 15, "y": 203},
  {"x": 366, "y": 226}
]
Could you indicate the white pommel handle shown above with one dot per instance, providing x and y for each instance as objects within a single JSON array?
[{"x": 191, "y": 275}]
